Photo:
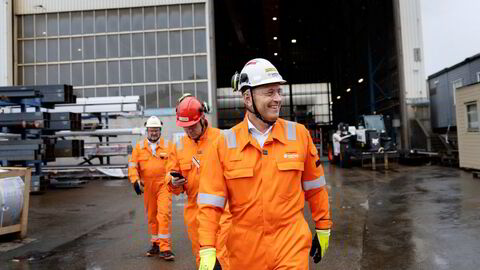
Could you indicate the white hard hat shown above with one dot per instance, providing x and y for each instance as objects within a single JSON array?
[
  {"x": 153, "y": 122},
  {"x": 256, "y": 72}
]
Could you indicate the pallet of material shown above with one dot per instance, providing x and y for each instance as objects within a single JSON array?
[{"x": 69, "y": 148}]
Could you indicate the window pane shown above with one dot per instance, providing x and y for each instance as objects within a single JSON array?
[
  {"x": 52, "y": 74},
  {"x": 200, "y": 42},
  {"x": 29, "y": 75},
  {"x": 175, "y": 69},
  {"x": 112, "y": 43},
  {"x": 89, "y": 74},
  {"x": 187, "y": 18},
  {"x": 162, "y": 18},
  {"x": 201, "y": 67},
  {"x": 101, "y": 72},
  {"x": 188, "y": 68},
  {"x": 174, "y": 16},
  {"x": 137, "y": 45},
  {"x": 28, "y": 52},
  {"x": 162, "y": 69},
  {"x": 202, "y": 91},
  {"x": 88, "y": 48},
  {"x": 87, "y": 22},
  {"x": 113, "y": 92},
  {"x": 89, "y": 92},
  {"x": 162, "y": 43},
  {"x": 137, "y": 19},
  {"x": 101, "y": 92},
  {"x": 199, "y": 14},
  {"x": 20, "y": 76},
  {"x": 64, "y": 49},
  {"x": 77, "y": 74},
  {"x": 76, "y": 23},
  {"x": 125, "y": 45},
  {"x": 52, "y": 50},
  {"x": 41, "y": 74},
  {"x": 65, "y": 74},
  {"x": 151, "y": 96},
  {"x": 149, "y": 17},
  {"x": 175, "y": 42},
  {"x": 125, "y": 71},
  {"x": 126, "y": 91},
  {"x": 149, "y": 44},
  {"x": 78, "y": 92},
  {"x": 64, "y": 23},
  {"x": 137, "y": 68},
  {"x": 20, "y": 51},
  {"x": 28, "y": 26},
  {"x": 40, "y": 25},
  {"x": 163, "y": 96},
  {"x": 187, "y": 41},
  {"x": 150, "y": 70},
  {"x": 113, "y": 68},
  {"x": 77, "y": 49},
  {"x": 100, "y": 21},
  {"x": 176, "y": 92},
  {"x": 189, "y": 88},
  {"x": 112, "y": 20},
  {"x": 125, "y": 19},
  {"x": 100, "y": 47},
  {"x": 20, "y": 26},
  {"x": 52, "y": 24},
  {"x": 41, "y": 50},
  {"x": 140, "y": 91}
]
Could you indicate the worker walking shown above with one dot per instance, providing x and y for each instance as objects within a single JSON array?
[
  {"x": 185, "y": 161},
  {"x": 146, "y": 171},
  {"x": 265, "y": 167}
]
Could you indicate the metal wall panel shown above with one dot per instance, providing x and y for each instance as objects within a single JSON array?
[
  {"x": 6, "y": 50},
  {"x": 48, "y": 6}
]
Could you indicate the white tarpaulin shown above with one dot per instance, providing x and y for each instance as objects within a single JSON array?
[
  {"x": 111, "y": 172},
  {"x": 11, "y": 200}
]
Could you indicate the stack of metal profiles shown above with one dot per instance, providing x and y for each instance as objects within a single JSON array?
[{"x": 26, "y": 124}]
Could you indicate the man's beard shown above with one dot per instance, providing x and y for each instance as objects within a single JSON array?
[{"x": 153, "y": 141}]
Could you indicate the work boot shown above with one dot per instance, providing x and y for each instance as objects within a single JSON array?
[
  {"x": 167, "y": 255},
  {"x": 153, "y": 251}
]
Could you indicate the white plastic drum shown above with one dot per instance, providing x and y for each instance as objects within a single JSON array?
[{"x": 11, "y": 200}]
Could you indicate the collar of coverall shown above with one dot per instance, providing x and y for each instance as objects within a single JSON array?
[
  {"x": 159, "y": 142},
  {"x": 278, "y": 133}
]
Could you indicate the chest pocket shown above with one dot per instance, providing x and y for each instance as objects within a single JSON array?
[
  {"x": 185, "y": 168},
  {"x": 142, "y": 160},
  {"x": 291, "y": 173},
  {"x": 240, "y": 185}
]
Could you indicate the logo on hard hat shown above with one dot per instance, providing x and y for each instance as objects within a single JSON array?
[
  {"x": 183, "y": 119},
  {"x": 252, "y": 62},
  {"x": 271, "y": 69}
]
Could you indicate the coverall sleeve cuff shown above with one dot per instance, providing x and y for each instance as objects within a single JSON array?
[
  {"x": 323, "y": 224},
  {"x": 208, "y": 241},
  {"x": 134, "y": 179}
]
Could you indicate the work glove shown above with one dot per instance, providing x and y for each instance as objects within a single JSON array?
[
  {"x": 138, "y": 187},
  {"x": 319, "y": 244},
  {"x": 208, "y": 259},
  {"x": 177, "y": 179}
]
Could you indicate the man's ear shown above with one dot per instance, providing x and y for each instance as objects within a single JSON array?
[{"x": 247, "y": 97}]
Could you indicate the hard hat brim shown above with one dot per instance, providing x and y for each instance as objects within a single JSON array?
[{"x": 188, "y": 124}]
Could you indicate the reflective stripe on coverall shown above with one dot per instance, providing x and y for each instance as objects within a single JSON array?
[
  {"x": 151, "y": 169},
  {"x": 266, "y": 191},
  {"x": 188, "y": 157}
]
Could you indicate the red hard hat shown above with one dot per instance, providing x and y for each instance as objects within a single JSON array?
[{"x": 189, "y": 111}]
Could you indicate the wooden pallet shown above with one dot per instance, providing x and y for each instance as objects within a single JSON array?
[{"x": 26, "y": 175}]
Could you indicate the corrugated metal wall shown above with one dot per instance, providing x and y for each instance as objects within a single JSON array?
[
  {"x": 47, "y": 6},
  {"x": 441, "y": 93}
]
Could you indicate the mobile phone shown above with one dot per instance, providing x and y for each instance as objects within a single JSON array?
[{"x": 176, "y": 174}]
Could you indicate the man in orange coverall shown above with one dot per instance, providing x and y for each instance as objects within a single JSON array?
[
  {"x": 187, "y": 157},
  {"x": 265, "y": 167},
  {"x": 146, "y": 171}
]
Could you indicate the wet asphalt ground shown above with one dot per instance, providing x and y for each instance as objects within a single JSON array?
[{"x": 425, "y": 217}]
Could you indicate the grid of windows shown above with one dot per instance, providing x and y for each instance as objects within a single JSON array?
[{"x": 158, "y": 53}]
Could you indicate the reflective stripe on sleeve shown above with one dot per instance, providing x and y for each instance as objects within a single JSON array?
[
  {"x": 291, "y": 131},
  {"x": 317, "y": 183},
  {"x": 179, "y": 143},
  {"x": 165, "y": 143},
  {"x": 230, "y": 137},
  {"x": 164, "y": 236},
  {"x": 204, "y": 198},
  {"x": 132, "y": 165}
]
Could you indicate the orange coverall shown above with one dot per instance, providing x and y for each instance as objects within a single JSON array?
[
  {"x": 266, "y": 190},
  {"x": 188, "y": 157},
  {"x": 150, "y": 168}
]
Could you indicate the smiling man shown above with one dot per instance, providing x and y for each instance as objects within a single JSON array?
[{"x": 265, "y": 167}]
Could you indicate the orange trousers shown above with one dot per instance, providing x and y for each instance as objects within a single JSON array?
[
  {"x": 191, "y": 224},
  {"x": 158, "y": 206}
]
